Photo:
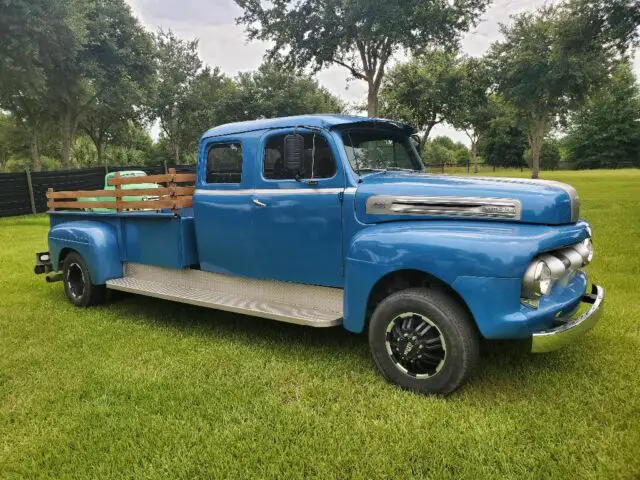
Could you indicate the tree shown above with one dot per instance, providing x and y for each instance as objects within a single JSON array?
[
  {"x": 442, "y": 150},
  {"x": 474, "y": 109},
  {"x": 605, "y": 132},
  {"x": 24, "y": 31},
  {"x": 108, "y": 57},
  {"x": 273, "y": 92},
  {"x": 359, "y": 35},
  {"x": 212, "y": 99},
  {"x": 58, "y": 57},
  {"x": 550, "y": 59},
  {"x": 503, "y": 146},
  {"x": 549, "y": 155},
  {"x": 125, "y": 78},
  {"x": 423, "y": 92},
  {"x": 504, "y": 142},
  {"x": 177, "y": 66}
]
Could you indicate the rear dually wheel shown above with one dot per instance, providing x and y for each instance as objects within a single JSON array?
[{"x": 77, "y": 282}]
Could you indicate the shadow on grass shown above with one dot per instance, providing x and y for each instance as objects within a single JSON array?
[{"x": 506, "y": 366}]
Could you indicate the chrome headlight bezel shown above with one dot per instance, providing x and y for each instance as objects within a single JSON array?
[
  {"x": 552, "y": 267},
  {"x": 538, "y": 280}
]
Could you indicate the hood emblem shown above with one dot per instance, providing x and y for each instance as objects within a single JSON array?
[{"x": 468, "y": 207}]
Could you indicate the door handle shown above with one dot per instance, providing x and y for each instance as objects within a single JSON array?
[{"x": 258, "y": 203}]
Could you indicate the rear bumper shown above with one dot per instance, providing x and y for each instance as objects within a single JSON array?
[
  {"x": 558, "y": 337},
  {"x": 43, "y": 263}
]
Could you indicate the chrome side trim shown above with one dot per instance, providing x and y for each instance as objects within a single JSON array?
[
  {"x": 499, "y": 208},
  {"x": 272, "y": 191},
  {"x": 555, "y": 338},
  {"x": 287, "y": 302}
]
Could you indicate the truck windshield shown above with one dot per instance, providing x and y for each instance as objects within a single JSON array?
[{"x": 375, "y": 150}]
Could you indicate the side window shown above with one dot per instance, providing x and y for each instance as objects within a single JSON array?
[
  {"x": 318, "y": 160},
  {"x": 224, "y": 163}
]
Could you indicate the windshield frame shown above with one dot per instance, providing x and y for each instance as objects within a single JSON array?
[{"x": 398, "y": 137}]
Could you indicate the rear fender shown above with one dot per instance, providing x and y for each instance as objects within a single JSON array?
[{"x": 96, "y": 242}]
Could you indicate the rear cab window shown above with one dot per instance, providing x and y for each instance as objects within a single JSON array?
[{"x": 224, "y": 163}]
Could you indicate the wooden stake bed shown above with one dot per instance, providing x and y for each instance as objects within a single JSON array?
[{"x": 170, "y": 197}]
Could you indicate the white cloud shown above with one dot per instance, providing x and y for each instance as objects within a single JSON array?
[{"x": 224, "y": 44}]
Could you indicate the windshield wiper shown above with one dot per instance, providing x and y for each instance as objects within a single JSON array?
[{"x": 369, "y": 170}]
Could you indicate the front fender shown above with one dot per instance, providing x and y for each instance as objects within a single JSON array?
[
  {"x": 497, "y": 254},
  {"x": 96, "y": 242}
]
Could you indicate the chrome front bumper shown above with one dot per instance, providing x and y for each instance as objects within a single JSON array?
[{"x": 552, "y": 339}]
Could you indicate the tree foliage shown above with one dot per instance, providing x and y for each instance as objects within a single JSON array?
[
  {"x": 359, "y": 35},
  {"x": 425, "y": 91},
  {"x": 444, "y": 151},
  {"x": 550, "y": 59},
  {"x": 605, "y": 131},
  {"x": 273, "y": 92},
  {"x": 59, "y": 59},
  {"x": 474, "y": 108}
]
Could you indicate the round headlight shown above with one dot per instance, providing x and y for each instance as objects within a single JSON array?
[
  {"x": 543, "y": 280},
  {"x": 537, "y": 279}
]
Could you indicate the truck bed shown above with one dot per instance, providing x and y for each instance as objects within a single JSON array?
[{"x": 162, "y": 238}]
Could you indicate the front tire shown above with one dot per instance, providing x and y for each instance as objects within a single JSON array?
[
  {"x": 424, "y": 340},
  {"x": 77, "y": 282}
]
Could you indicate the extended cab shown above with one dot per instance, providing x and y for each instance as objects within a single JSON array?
[{"x": 327, "y": 220}]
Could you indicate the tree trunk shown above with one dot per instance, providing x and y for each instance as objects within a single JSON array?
[
  {"x": 372, "y": 100},
  {"x": 100, "y": 151},
  {"x": 176, "y": 153},
  {"x": 474, "y": 156},
  {"x": 428, "y": 132},
  {"x": 536, "y": 137},
  {"x": 36, "y": 165},
  {"x": 68, "y": 137}
]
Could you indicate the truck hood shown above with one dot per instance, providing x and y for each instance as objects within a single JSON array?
[{"x": 393, "y": 196}]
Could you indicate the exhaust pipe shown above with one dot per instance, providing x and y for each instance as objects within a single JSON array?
[{"x": 56, "y": 277}]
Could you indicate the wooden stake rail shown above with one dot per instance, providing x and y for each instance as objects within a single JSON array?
[{"x": 171, "y": 196}]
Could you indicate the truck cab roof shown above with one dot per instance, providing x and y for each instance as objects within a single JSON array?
[{"x": 326, "y": 121}]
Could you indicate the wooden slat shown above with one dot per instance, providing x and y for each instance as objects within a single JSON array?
[
  {"x": 184, "y": 202},
  {"x": 164, "y": 178},
  {"x": 134, "y": 192},
  {"x": 118, "y": 187},
  {"x": 148, "y": 204}
]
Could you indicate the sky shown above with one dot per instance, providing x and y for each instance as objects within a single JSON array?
[{"x": 224, "y": 44}]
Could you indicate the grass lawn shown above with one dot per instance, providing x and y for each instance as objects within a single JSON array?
[{"x": 151, "y": 389}]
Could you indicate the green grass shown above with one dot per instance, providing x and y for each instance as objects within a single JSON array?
[{"x": 151, "y": 389}]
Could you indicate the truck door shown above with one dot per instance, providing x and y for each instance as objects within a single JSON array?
[
  {"x": 222, "y": 207},
  {"x": 298, "y": 223}
]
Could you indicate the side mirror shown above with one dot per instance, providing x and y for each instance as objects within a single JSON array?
[{"x": 293, "y": 152}]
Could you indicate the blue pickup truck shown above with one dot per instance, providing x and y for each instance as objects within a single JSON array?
[{"x": 327, "y": 220}]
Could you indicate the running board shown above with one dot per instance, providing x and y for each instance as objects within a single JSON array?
[{"x": 287, "y": 302}]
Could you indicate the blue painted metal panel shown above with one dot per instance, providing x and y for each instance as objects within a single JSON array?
[
  {"x": 223, "y": 213},
  {"x": 106, "y": 238},
  {"x": 496, "y": 308},
  {"x": 448, "y": 250},
  {"x": 319, "y": 121},
  {"x": 159, "y": 241},
  {"x": 544, "y": 203},
  {"x": 297, "y": 236},
  {"x": 96, "y": 242}
]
